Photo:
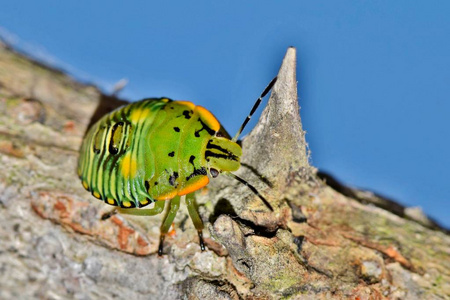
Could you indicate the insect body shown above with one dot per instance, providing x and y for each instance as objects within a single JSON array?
[{"x": 155, "y": 150}]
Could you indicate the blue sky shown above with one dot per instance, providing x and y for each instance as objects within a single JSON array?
[{"x": 374, "y": 76}]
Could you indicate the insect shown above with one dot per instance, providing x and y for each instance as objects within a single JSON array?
[{"x": 156, "y": 150}]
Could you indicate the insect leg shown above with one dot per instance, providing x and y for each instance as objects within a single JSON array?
[
  {"x": 193, "y": 213},
  {"x": 156, "y": 210},
  {"x": 174, "y": 205}
]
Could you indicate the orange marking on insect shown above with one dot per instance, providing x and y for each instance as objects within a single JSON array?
[
  {"x": 192, "y": 187},
  {"x": 167, "y": 196},
  {"x": 208, "y": 118},
  {"x": 189, "y": 104}
]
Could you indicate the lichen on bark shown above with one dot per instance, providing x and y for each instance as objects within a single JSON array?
[{"x": 322, "y": 241}]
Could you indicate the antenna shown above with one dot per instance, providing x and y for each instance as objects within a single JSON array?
[
  {"x": 255, "y": 106},
  {"x": 252, "y": 188}
]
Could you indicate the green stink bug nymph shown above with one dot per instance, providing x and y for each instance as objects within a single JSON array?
[{"x": 156, "y": 150}]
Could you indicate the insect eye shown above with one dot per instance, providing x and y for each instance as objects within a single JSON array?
[{"x": 214, "y": 172}]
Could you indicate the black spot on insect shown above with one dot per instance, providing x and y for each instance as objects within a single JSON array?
[
  {"x": 147, "y": 185},
  {"x": 204, "y": 127},
  {"x": 176, "y": 129},
  {"x": 173, "y": 178},
  {"x": 156, "y": 182},
  {"x": 172, "y": 154},
  {"x": 201, "y": 171},
  {"x": 187, "y": 114}
]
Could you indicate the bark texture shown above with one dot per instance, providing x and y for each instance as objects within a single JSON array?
[{"x": 323, "y": 241}]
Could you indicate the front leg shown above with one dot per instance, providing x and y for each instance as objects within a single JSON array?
[
  {"x": 174, "y": 206},
  {"x": 193, "y": 213}
]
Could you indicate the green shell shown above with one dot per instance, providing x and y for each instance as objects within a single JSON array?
[{"x": 154, "y": 149}]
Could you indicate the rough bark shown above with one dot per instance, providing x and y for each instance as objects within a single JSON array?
[{"x": 323, "y": 241}]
